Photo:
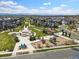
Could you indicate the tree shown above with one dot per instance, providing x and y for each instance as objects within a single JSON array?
[
  {"x": 53, "y": 40},
  {"x": 16, "y": 39},
  {"x": 32, "y": 38},
  {"x": 43, "y": 41}
]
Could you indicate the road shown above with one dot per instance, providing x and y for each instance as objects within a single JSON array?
[{"x": 72, "y": 53}]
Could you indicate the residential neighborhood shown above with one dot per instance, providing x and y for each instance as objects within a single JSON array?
[
  {"x": 6, "y": 22},
  {"x": 39, "y": 29},
  {"x": 34, "y": 34}
]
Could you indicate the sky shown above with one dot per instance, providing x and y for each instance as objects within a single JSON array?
[{"x": 40, "y": 7}]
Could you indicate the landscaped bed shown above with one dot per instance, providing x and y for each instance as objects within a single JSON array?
[
  {"x": 41, "y": 44},
  {"x": 7, "y": 42},
  {"x": 50, "y": 43}
]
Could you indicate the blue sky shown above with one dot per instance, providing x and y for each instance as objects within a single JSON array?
[{"x": 40, "y": 7}]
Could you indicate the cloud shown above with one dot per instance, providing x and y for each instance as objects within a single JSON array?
[
  {"x": 7, "y": 3},
  {"x": 72, "y": 0},
  {"x": 48, "y": 3},
  {"x": 64, "y": 5},
  {"x": 65, "y": 10},
  {"x": 43, "y": 8},
  {"x": 11, "y": 7}
]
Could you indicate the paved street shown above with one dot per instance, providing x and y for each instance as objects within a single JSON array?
[{"x": 72, "y": 53}]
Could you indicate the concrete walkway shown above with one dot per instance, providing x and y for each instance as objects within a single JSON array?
[
  {"x": 16, "y": 48},
  {"x": 60, "y": 34},
  {"x": 27, "y": 42}
]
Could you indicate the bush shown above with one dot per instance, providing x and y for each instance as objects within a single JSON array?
[
  {"x": 5, "y": 55},
  {"x": 16, "y": 39},
  {"x": 32, "y": 38}
]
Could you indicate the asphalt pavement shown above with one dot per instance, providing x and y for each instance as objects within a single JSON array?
[{"x": 70, "y": 53}]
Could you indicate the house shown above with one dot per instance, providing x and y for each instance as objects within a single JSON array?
[{"x": 7, "y": 23}]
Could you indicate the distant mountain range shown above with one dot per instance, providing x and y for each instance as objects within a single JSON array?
[{"x": 5, "y": 14}]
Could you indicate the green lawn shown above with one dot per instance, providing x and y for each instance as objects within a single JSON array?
[
  {"x": 34, "y": 28},
  {"x": 19, "y": 28},
  {"x": 7, "y": 42},
  {"x": 38, "y": 33}
]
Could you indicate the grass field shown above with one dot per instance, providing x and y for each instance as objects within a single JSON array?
[
  {"x": 7, "y": 42},
  {"x": 38, "y": 33}
]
